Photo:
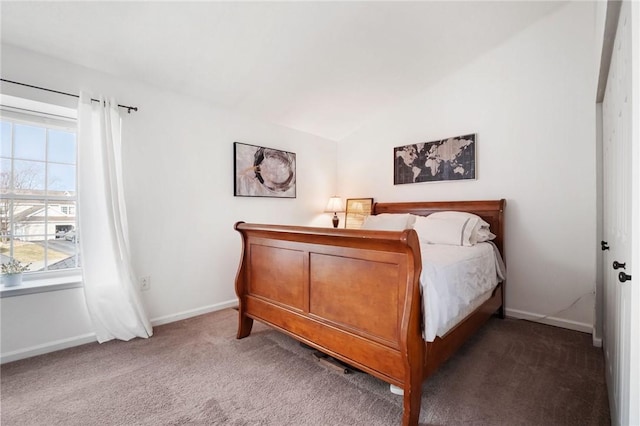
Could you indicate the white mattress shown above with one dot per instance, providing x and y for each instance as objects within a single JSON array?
[{"x": 455, "y": 280}]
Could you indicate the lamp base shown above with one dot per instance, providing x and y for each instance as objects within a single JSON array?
[{"x": 335, "y": 220}]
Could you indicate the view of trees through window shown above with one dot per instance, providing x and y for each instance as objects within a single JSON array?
[{"x": 38, "y": 194}]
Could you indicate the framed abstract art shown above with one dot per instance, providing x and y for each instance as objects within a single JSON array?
[{"x": 263, "y": 172}]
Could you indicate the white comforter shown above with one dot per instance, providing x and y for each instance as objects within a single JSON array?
[{"x": 455, "y": 280}]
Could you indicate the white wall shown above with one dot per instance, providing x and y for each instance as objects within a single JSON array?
[
  {"x": 178, "y": 165},
  {"x": 38, "y": 323},
  {"x": 531, "y": 102}
]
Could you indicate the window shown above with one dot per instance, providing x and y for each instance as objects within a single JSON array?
[
  {"x": 70, "y": 210},
  {"x": 38, "y": 188}
]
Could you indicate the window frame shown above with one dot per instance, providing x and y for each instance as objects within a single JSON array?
[{"x": 28, "y": 112}]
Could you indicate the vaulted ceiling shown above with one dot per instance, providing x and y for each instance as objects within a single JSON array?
[{"x": 319, "y": 67}]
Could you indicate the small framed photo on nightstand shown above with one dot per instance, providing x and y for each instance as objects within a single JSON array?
[{"x": 357, "y": 210}]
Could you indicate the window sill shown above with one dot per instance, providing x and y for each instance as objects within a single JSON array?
[{"x": 42, "y": 285}]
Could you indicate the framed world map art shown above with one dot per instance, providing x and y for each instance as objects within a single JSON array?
[{"x": 443, "y": 160}]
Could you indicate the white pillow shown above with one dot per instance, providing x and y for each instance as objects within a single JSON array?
[
  {"x": 389, "y": 222},
  {"x": 452, "y": 228},
  {"x": 480, "y": 232},
  {"x": 483, "y": 234},
  {"x": 451, "y": 231}
]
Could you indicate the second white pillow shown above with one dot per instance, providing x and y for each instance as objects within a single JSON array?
[{"x": 455, "y": 231}]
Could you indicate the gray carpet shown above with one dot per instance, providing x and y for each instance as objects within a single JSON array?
[{"x": 195, "y": 372}]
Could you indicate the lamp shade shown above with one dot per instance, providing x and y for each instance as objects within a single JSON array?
[{"x": 334, "y": 205}]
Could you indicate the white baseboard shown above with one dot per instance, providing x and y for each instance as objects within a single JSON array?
[
  {"x": 193, "y": 312},
  {"x": 91, "y": 337},
  {"x": 597, "y": 342},
  {"x": 595, "y": 339},
  {"x": 558, "y": 322},
  {"x": 45, "y": 348}
]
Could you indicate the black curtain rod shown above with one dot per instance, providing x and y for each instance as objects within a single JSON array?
[{"x": 128, "y": 108}]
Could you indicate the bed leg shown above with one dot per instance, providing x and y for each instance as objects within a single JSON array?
[
  {"x": 412, "y": 397},
  {"x": 244, "y": 326},
  {"x": 501, "y": 311},
  {"x": 413, "y": 393},
  {"x": 501, "y": 314}
]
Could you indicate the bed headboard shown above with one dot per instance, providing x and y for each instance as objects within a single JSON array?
[{"x": 491, "y": 211}]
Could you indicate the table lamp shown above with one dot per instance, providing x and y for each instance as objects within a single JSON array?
[{"x": 335, "y": 205}]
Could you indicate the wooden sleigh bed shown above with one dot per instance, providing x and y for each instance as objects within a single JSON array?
[{"x": 355, "y": 294}]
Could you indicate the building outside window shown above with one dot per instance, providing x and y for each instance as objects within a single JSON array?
[{"x": 38, "y": 189}]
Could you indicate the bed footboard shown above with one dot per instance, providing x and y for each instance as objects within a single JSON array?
[{"x": 352, "y": 294}]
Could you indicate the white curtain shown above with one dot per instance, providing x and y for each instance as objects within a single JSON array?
[{"x": 109, "y": 282}]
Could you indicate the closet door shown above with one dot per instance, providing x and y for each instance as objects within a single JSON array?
[{"x": 619, "y": 127}]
